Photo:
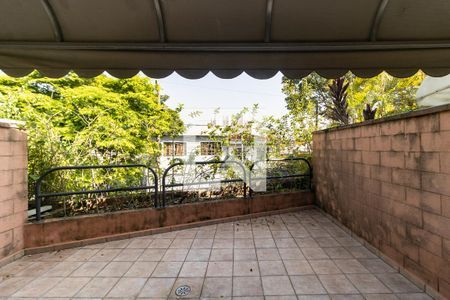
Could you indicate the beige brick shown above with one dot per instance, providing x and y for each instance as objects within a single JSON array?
[
  {"x": 381, "y": 173},
  {"x": 371, "y": 158},
  {"x": 436, "y": 183},
  {"x": 7, "y": 193},
  {"x": 437, "y": 224},
  {"x": 362, "y": 170},
  {"x": 407, "y": 213},
  {"x": 19, "y": 148},
  {"x": 429, "y": 123},
  {"x": 446, "y": 249},
  {"x": 354, "y": 156},
  {"x": 6, "y": 208},
  {"x": 412, "y": 125},
  {"x": 371, "y": 130},
  {"x": 408, "y": 178},
  {"x": 425, "y": 239},
  {"x": 445, "y": 202},
  {"x": 425, "y": 200},
  {"x": 6, "y": 148},
  {"x": 393, "y": 128},
  {"x": 434, "y": 263},
  {"x": 348, "y": 144},
  {"x": 405, "y": 142},
  {"x": 392, "y": 159},
  {"x": 434, "y": 142},
  {"x": 380, "y": 143},
  {"x": 19, "y": 176},
  {"x": 12, "y": 221},
  {"x": 6, "y": 238},
  {"x": 20, "y": 205},
  {"x": 393, "y": 191},
  {"x": 429, "y": 161},
  {"x": 362, "y": 144},
  {"x": 445, "y": 121},
  {"x": 445, "y": 162},
  {"x": 6, "y": 178},
  {"x": 4, "y": 134},
  {"x": 412, "y": 160},
  {"x": 405, "y": 247}
]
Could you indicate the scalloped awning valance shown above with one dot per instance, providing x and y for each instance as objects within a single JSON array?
[{"x": 226, "y": 37}]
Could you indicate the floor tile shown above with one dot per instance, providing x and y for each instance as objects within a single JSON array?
[
  {"x": 97, "y": 287},
  {"x": 157, "y": 288},
  {"x": 397, "y": 283},
  {"x": 337, "y": 252},
  {"x": 37, "y": 287},
  {"x": 298, "y": 267},
  {"x": 167, "y": 269},
  {"x": 105, "y": 255},
  {"x": 115, "y": 269},
  {"x": 223, "y": 243},
  {"x": 198, "y": 255},
  {"x": 268, "y": 254},
  {"x": 175, "y": 255},
  {"x": 127, "y": 287},
  {"x": 219, "y": 269},
  {"x": 221, "y": 255},
  {"x": 314, "y": 253},
  {"x": 217, "y": 287},
  {"x": 160, "y": 243},
  {"x": 13, "y": 284},
  {"x": 350, "y": 266},
  {"x": 243, "y": 244},
  {"x": 247, "y": 286},
  {"x": 152, "y": 255},
  {"x": 285, "y": 243},
  {"x": 244, "y": 254},
  {"x": 307, "y": 285},
  {"x": 63, "y": 269},
  {"x": 193, "y": 269},
  {"x": 245, "y": 268},
  {"x": 271, "y": 267},
  {"x": 88, "y": 269},
  {"x": 367, "y": 283},
  {"x": 277, "y": 285},
  {"x": 264, "y": 243},
  {"x": 376, "y": 265},
  {"x": 324, "y": 266},
  {"x": 68, "y": 287},
  {"x": 291, "y": 254},
  {"x": 129, "y": 255},
  {"x": 337, "y": 284},
  {"x": 181, "y": 243},
  {"x": 141, "y": 269},
  {"x": 202, "y": 243}
]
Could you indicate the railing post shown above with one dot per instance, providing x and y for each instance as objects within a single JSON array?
[{"x": 38, "y": 200}]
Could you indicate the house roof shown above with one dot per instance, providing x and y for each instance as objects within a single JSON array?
[{"x": 227, "y": 37}]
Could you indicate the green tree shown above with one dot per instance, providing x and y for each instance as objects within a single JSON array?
[
  {"x": 308, "y": 99},
  {"x": 78, "y": 121}
]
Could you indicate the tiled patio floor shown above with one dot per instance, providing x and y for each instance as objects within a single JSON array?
[{"x": 300, "y": 255}]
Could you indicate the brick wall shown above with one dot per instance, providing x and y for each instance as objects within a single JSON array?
[
  {"x": 389, "y": 182},
  {"x": 13, "y": 189}
]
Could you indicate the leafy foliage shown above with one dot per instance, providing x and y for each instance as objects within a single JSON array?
[
  {"x": 308, "y": 99},
  {"x": 78, "y": 121},
  {"x": 337, "y": 110}
]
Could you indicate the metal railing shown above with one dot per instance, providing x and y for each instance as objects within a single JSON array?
[
  {"x": 39, "y": 195},
  {"x": 221, "y": 162},
  {"x": 244, "y": 179},
  {"x": 299, "y": 175}
]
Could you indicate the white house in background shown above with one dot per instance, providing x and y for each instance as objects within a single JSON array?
[{"x": 193, "y": 143}]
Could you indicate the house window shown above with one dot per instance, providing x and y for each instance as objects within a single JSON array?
[
  {"x": 209, "y": 148},
  {"x": 174, "y": 149}
]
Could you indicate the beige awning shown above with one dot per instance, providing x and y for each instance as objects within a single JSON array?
[{"x": 227, "y": 37}]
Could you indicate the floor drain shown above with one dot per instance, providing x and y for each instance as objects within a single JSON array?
[{"x": 183, "y": 290}]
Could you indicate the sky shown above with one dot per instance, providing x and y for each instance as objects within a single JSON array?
[{"x": 230, "y": 95}]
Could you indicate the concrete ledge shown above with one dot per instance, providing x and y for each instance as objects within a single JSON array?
[
  {"x": 56, "y": 234},
  {"x": 116, "y": 237},
  {"x": 407, "y": 115}
]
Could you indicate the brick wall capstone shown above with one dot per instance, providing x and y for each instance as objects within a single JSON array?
[{"x": 388, "y": 181}]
